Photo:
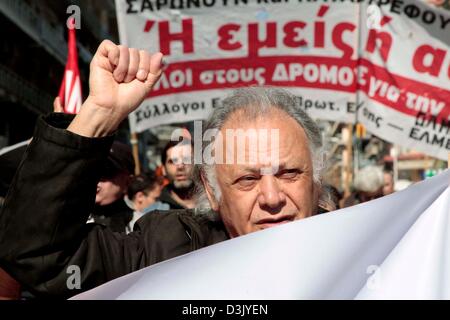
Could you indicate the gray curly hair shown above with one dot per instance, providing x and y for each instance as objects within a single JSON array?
[{"x": 255, "y": 102}]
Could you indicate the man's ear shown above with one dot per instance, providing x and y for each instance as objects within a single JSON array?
[
  {"x": 210, "y": 194},
  {"x": 164, "y": 170},
  {"x": 138, "y": 196}
]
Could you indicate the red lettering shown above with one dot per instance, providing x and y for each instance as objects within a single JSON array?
[
  {"x": 148, "y": 25},
  {"x": 319, "y": 28},
  {"x": 254, "y": 43},
  {"x": 291, "y": 32},
  {"x": 338, "y": 31},
  {"x": 386, "y": 43},
  {"x": 319, "y": 34},
  {"x": 226, "y": 36},
  {"x": 434, "y": 67},
  {"x": 185, "y": 36}
]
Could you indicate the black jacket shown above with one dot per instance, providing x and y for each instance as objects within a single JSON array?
[
  {"x": 116, "y": 215},
  {"x": 166, "y": 197},
  {"x": 43, "y": 226}
]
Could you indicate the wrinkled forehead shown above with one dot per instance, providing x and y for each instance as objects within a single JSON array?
[
  {"x": 266, "y": 126},
  {"x": 270, "y": 140}
]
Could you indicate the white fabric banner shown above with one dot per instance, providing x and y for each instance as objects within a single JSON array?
[
  {"x": 395, "y": 247},
  {"x": 404, "y": 86},
  {"x": 217, "y": 45},
  {"x": 385, "y": 64}
]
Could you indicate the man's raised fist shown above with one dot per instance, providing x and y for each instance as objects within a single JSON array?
[{"x": 120, "y": 79}]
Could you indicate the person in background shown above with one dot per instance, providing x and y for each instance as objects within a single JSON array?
[
  {"x": 143, "y": 192},
  {"x": 368, "y": 185},
  {"x": 329, "y": 199},
  {"x": 176, "y": 158},
  {"x": 388, "y": 186},
  {"x": 110, "y": 207}
]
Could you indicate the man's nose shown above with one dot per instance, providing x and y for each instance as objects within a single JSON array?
[
  {"x": 180, "y": 165},
  {"x": 270, "y": 193}
]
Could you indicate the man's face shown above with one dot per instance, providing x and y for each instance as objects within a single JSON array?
[
  {"x": 111, "y": 188},
  {"x": 388, "y": 186},
  {"x": 253, "y": 200},
  {"x": 178, "y": 166}
]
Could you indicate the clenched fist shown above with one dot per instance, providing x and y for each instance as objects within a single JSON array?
[{"x": 120, "y": 79}]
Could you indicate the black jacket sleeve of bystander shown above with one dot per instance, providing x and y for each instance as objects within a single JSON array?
[{"x": 44, "y": 239}]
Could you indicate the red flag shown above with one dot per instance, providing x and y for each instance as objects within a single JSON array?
[{"x": 70, "y": 90}]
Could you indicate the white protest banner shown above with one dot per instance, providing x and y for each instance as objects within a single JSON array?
[
  {"x": 383, "y": 63},
  {"x": 405, "y": 85},
  {"x": 212, "y": 46},
  {"x": 395, "y": 247}
]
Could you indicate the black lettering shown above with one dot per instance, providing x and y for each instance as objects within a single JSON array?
[
  {"x": 193, "y": 3},
  {"x": 166, "y": 109},
  {"x": 351, "y": 107},
  {"x": 444, "y": 22},
  {"x": 185, "y": 107},
  {"x": 319, "y": 105},
  {"x": 157, "y": 112},
  {"x": 445, "y": 125},
  {"x": 130, "y": 7},
  {"x": 420, "y": 119},
  {"x": 138, "y": 116},
  {"x": 396, "y": 4},
  {"x": 413, "y": 133},
  {"x": 308, "y": 104},
  {"x": 425, "y": 135},
  {"x": 412, "y": 11},
  {"x": 428, "y": 17},
  {"x": 175, "y": 108},
  {"x": 146, "y": 5},
  {"x": 438, "y": 141},
  {"x": 378, "y": 121},
  {"x": 147, "y": 113},
  {"x": 215, "y": 103}
]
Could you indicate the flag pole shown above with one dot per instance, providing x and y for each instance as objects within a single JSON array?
[
  {"x": 347, "y": 155},
  {"x": 70, "y": 94},
  {"x": 135, "y": 148}
]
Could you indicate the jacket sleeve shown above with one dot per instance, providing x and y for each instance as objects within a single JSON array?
[{"x": 45, "y": 242}]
